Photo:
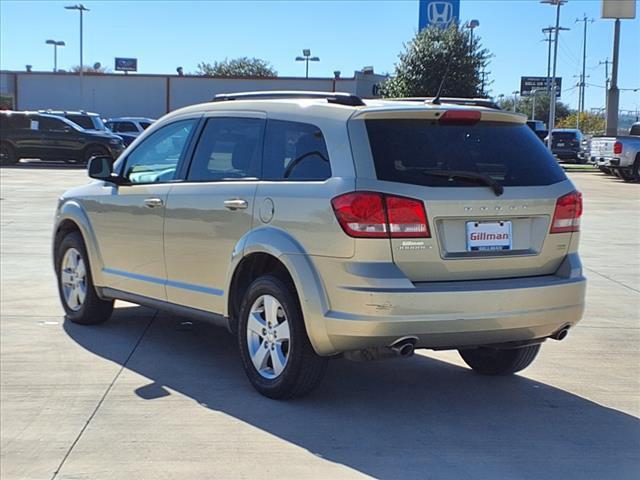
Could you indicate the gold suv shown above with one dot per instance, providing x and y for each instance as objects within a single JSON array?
[{"x": 314, "y": 225}]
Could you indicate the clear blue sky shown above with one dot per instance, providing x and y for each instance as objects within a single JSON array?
[{"x": 345, "y": 35}]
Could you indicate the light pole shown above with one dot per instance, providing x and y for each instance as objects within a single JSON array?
[
  {"x": 552, "y": 99},
  {"x": 81, "y": 8},
  {"x": 471, "y": 26},
  {"x": 534, "y": 92},
  {"x": 515, "y": 99},
  {"x": 307, "y": 58},
  {"x": 56, "y": 44}
]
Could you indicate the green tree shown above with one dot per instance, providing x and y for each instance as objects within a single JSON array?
[
  {"x": 90, "y": 69},
  {"x": 237, "y": 67},
  {"x": 431, "y": 54},
  {"x": 525, "y": 105},
  {"x": 590, "y": 123}
]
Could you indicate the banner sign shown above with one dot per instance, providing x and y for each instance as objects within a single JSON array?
[
  {"x": 126, "y": 65},
  {"x": 528, "y": 84}
]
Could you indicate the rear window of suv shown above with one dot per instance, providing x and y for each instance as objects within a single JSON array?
[{"x": 405, "y": 151}]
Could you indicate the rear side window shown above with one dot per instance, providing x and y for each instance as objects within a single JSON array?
[
  {"x": 145, "y": 125},
  {"x": 228, "y": 148},
  {"x": 295, "y": 151},
  {"x": 83, "y": 120},
  {"x": 405, "y": 151},
  {"x": 124, "y": 127},
  {"x": 14, "y": 122}
]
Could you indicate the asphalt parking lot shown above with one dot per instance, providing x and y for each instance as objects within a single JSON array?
[{"x": 145, "y": 396}]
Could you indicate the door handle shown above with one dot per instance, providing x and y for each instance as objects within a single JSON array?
[
  {"x": 236, "y": 204},
  {"x": 153, "y": 202}
]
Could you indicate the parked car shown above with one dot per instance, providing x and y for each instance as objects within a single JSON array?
[
  {"x": 539, "y": 128},
  {"x": 309, "y": 225},
  {"x": 129, "y": 127},
  {"x": 86, "y": 120},
  {"x": 49, "y": 137},
  {"x": 566, "y": 144},
  {"x": 619, "y": 155}
]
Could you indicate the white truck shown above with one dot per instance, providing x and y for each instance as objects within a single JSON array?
[{"x": 618, "y": 155}]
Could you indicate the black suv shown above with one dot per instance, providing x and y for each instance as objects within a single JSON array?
[
  {"x": 566, "y": 144},
  {"x": 87, "y": 120},
  {"x": 49, "y": 137}
]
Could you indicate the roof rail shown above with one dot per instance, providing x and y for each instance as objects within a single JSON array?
[
  {"x": 331, "y": 97},
  {"x": 475, "y": 102}
]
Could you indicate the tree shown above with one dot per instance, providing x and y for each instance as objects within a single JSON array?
[
  {"x": 237, "y": 67},
  {"x": 525, "y": 105},
  {"x": 590, "y": 123},
  {"x": 434, "y": 53},
  {"x": 90, "y": 69}
]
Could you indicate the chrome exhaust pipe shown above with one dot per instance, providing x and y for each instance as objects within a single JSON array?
[
  {"x": 561, "y": 334},
  {"x": 403, "y": 347}
]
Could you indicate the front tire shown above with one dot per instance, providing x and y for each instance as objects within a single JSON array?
[
  {"x": 75, "y": 285},
  {"x": 493, "y": 361},
  {"x": 276, "y": 353}
]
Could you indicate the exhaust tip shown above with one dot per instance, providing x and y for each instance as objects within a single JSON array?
[
  {"x": 561, "y": 334},
  {"x": 404, "y": 346}
]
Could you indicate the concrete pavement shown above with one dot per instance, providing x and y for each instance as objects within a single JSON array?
[{"x": 146, "y": 397}]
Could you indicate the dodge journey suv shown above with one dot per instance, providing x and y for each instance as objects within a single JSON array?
[{"x": 318, "y": 225}]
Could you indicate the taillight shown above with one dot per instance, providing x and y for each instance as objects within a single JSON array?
[
  {"x": 460, "y": 117},
  {"x": 617, "y": 148},
  {"x": 566, "y": 217},
  {"x": 375, "y": 215}
]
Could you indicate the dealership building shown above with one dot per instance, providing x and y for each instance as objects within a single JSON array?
[{"x": 116, "y": 94}]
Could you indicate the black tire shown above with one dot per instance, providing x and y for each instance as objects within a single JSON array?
[
  {"x": 635, "y": 170},
  {"x": 93, "y": 151},
  {"x": 7, "y": 154},
  {"x": 605, "y": 170},
  {"x": 304, "y": 369},
  {"x": 492, "y": 361},
  {"x": 92, "y": 310},
  {"x": 626, "y": 175}
]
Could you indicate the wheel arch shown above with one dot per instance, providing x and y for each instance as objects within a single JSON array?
[
  {"x": 271, "y": 250},
  {"x": 72, "y": 217}
]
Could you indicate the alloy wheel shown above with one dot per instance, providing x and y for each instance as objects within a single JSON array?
[{"x": 73, "y": 276}]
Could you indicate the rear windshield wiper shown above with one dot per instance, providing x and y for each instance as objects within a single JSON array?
[{"x": 497, "y": 188}]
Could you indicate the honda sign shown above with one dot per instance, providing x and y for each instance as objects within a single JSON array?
[{"x": 440, "y": 13}]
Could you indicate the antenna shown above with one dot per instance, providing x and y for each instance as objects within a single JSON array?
[{"x": 436, "y": 99}]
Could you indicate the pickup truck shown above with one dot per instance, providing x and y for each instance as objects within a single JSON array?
[{"x": 619, "y": 155}]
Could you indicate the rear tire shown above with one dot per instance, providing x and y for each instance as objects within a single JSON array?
[
  {"x": 605, "y": 170},
  {"x": 493, "y": 361},
  {"x": 75, "y": 285},
  {"x": 635, "y": 170},
  {"x": 277, "y": 358},
  {"x": 7, "y": 154}
]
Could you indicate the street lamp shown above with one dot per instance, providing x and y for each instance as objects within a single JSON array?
[
  {"x": 552, "y": 99},
  {"x": 515, "y": 98},
  {"x": 81, "y": 8},
  {"x": 471, "y": 26},
  {"x": 533, "y": 93},
  {"x": 307, "y": 58},
  {"x": 56, "y": 44}
]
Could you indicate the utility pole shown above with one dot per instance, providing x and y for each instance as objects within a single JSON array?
[
  {"x": 583, "y": 83},
  {"x": 613, "y": 98},
  {"x": 549, "y": 31},
  {"x": 81, "y": 8},
  {"x": 552, "y": 99}
]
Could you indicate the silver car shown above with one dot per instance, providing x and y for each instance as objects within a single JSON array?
[{"x": 317, "y": 225}]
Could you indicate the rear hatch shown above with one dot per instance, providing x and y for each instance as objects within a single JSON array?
[
  {"x": 489, "y": 188},
  {"x": 564, "y": 141}
]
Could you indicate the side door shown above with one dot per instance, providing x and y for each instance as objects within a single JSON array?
[
  {"x": 128, "y": 219},
  {"x": 58, "y": 139},
  {"x": 212, "y": 209}
]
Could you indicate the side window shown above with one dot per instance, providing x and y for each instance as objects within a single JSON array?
[
  {"x": 156, "y": 159},
  {"x": 127, "y": 127},
  {"x": 295, "y": 151},
  {"x": 144, "y": 125},
  {"x": 82, "y": 120},
  {"x": 48, "y": 124},
  {"x": 228, "y": 148}
]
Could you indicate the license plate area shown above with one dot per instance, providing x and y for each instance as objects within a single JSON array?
[{"x": 489, "y": 236}]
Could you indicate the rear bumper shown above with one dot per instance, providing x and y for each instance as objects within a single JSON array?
[{"x": 456, "y": 314}]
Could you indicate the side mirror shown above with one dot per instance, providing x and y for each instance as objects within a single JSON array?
[{"x": 100, "y": 167}]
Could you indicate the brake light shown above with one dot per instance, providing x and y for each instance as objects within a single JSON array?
[
  {"x": 375, "y": 215},
  {"x": 566, "y": 217},
  {"x": 617, "y": 148},
  {"x": 460, "y": 117}
]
